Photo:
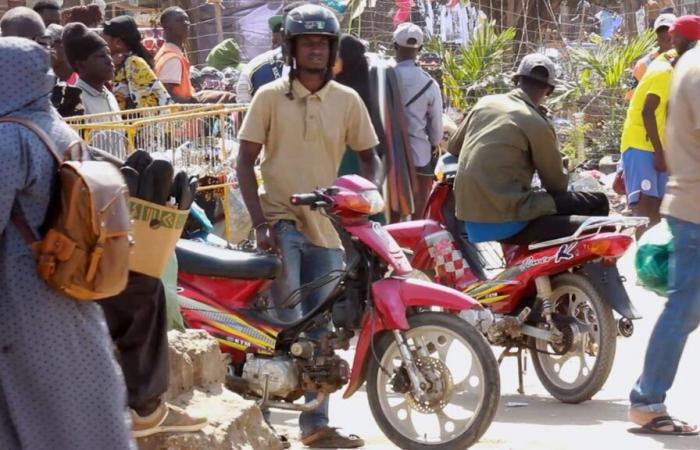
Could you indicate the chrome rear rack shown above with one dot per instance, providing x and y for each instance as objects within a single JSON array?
[{"x": 594, "y": 223}]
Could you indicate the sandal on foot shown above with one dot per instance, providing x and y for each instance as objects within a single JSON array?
[
  {"x": 285, "y": 440},
  {"x": 655, "y": 425},
  {"x": 328, "y": 437}
]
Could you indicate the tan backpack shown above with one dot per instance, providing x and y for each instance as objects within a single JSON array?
[{"x": 85, "y": 250}]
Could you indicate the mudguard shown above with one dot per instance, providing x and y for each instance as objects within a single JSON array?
[
  {"x": 391, "y": 297},
  {"x": 608, "y": 282}
]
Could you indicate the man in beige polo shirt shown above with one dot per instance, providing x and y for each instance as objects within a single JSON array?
[
  {"x": 302, "y": 124},
  {"x": 681, "y": 314}
]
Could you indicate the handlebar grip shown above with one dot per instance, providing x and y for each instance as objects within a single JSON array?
[{"x": 304, "y": 199}]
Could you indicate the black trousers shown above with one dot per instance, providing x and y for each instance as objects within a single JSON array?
[
  {"x": 573, "y": 208},
  {"x": 137, "y": 323}
]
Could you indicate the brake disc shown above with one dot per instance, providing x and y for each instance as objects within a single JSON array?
[{"x": 438, "y": 375}]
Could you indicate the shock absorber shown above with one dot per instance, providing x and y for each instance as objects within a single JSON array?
[{"x": 544, "y": 293}]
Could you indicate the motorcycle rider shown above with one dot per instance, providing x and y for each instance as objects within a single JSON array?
[
  {"x": 304, "y": 122},
  {"x": 503, "y": 141}
]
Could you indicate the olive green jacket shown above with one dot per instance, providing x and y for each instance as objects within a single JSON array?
[{"x": 501, "y": 143}]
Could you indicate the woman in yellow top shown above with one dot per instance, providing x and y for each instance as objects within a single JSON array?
[{"x": 135, "y": 84}]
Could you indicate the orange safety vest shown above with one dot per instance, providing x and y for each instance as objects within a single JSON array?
[{"x": 167, "y": 52}]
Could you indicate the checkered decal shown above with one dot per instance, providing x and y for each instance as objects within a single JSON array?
[{"x": 450, "y": 266}]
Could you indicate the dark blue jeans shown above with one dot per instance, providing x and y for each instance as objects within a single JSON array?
[
  {"x": 680, "y": 317},
  {"x": 302, "y": 263}
]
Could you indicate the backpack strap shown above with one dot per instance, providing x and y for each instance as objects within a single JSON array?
[
  {"x": 17, "y": 216},
  {"x": 47, "y": 141},
  {"x": 421, "y": 92}
]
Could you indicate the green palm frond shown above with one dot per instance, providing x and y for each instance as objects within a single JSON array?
[
  {"x": 469, "y": 66},
  {"x": 611, "y": 61}
]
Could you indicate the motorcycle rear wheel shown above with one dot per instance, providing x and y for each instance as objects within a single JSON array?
[
  {"x": 590, "y": 309},
  {"x": 430, "y": 340}
]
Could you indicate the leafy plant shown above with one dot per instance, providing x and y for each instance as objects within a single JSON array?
[
  {"x": 601, "y": 74},
  {"x": 611, "y": 61},
  {"x": 468, "y": 67},
  {"x": 574, "y": 141}
]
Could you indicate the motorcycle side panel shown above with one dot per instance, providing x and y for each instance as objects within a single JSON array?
[
  {"x": 504, "y": 293},
  {"x": 392, "y": 296},
  {"x": 410, "y": 235},
  {"x": 230, "y": 293},
  {"x": 374, "y": 236},
  {"x": 236, "y": 334},
  {"x": 608, "y": 283},
  {"x": 436, "y": 200}
]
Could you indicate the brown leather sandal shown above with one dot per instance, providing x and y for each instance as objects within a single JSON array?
[{"x": 329, "y": 437}]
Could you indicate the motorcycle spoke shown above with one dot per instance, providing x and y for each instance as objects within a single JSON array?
[
  {"x": 404, "y": 413},
  {"x": 448, "y": 426},
  {"x": 472, "y": 381}
]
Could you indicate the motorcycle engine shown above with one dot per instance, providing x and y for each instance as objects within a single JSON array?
[
  {"x": 326, "y": 374},
  {"x": 281, "y": 372}
]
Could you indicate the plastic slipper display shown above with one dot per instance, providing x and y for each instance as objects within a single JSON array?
[
  {"x": 656, "y": 425},
  {"x": 155, "y": 181}
]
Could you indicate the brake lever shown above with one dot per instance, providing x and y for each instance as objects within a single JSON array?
[{"x": 320, "y": 204}]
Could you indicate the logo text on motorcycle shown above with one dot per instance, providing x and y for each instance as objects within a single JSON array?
[{"x": 565, "y": 253}]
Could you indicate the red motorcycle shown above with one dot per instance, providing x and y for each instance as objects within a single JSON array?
[
  {"x": 432, "y": 380},
  {"x": 555, "y": 298}
]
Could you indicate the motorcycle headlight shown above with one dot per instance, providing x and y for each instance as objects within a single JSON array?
[{"x": 374, "y": 200}]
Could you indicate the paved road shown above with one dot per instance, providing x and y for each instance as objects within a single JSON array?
[{"x": 546, "y": 424}]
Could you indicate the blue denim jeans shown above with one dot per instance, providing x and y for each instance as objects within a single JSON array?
[
  {"x": 302, "y": 263},
  {"x": 680, "y": 317}
]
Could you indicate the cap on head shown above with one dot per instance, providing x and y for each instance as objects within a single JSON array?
[
  {"x": 687, "y": 27},
  {"x": 408, "y": 35},
  {"x": 534, "y": 60},
  {"x": 664, "y": 20},
  {"x": 80, "y": 42}
]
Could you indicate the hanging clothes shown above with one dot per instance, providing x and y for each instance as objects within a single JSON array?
[
  {"x": 403, "y": 12},
  {"x": 430, "y": 21},
  {"x": 454, "y": 24}
]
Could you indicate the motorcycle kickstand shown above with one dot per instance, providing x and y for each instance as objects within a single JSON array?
[{"x": 522, "y": 365}]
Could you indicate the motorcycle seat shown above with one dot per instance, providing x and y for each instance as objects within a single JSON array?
[{"x": 198, "y": 258}]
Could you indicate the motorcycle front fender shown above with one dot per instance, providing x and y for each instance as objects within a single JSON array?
[
  {"x": 391, "y": 298},
  {"x": 608, "y": 283}
]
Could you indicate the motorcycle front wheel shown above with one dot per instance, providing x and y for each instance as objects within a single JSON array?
[
  {"x": 575, "y": 370},
  {"x": 462, "y": 392}
]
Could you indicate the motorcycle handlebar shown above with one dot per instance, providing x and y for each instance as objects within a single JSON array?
[{"x": 305, "y": 199}]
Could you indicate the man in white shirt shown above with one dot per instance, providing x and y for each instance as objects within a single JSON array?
[
  {"x": 89, "y": 55},
  {"x": 422, "y": 100}
]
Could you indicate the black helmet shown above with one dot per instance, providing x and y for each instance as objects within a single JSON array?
[{"x": 310, "y": 19}]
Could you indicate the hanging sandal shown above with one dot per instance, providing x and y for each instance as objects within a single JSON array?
[{"x": 655, "y": 425}]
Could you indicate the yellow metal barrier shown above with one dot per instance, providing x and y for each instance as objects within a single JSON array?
[{"x": 194, "y": 137}]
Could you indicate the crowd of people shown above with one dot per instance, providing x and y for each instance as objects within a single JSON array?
[{"x": 310, "y": 99}]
